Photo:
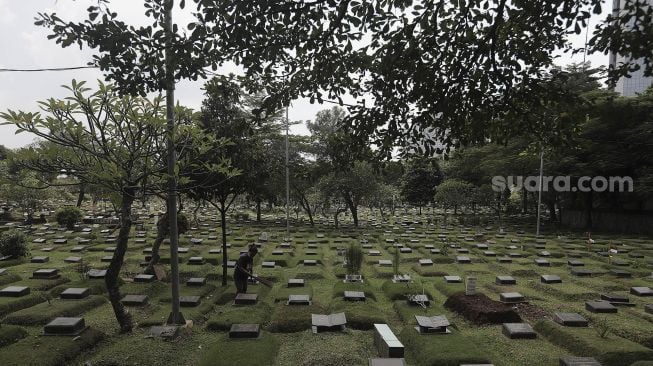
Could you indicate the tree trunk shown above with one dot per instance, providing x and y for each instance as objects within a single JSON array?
[
  {"x": 552, "y": 211},
  {"x": 162, "y": 230},
  {"x": 113, "y": 272},
  {"x": 420, "y": 210},
  {"x": 258, "y": 210},
  {"x": 352, "y": 207},
  {"x": 223, "y": 224},
  {"x": 524, "y": 200},
  {"x": 80, "y": 196}
]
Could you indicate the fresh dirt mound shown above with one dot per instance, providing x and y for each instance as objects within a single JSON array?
[{"x": 480, "y": 309}]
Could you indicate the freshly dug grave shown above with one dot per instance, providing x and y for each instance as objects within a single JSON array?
[{"x": 480, "y": 309}]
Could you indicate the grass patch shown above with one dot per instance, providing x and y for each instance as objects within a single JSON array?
[
  {"x": 49, "y": 351},
  {"x": 398, "y": 291},
  {"x": 10, "y": 334},
  {"x": 611, "y": 351},
  {"x": 289, "y": 319},
  {"x": 360, "y": 315},
  {"x": 43, "y": 313},
  {"x": 9, "y": 304},
  {"x": 9, "y": 278},
  {"x": 440, "y": 350},
  {"x": 326, "y": 349},
  {"x": 252, "y": 352},
  {"x": 224, "y": 317}
]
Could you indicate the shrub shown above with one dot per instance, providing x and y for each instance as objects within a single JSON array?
[
  {"x": 13, "y": 243},
  {"x": 68, "y": 217},
  {"x": 354, "y": 256}
]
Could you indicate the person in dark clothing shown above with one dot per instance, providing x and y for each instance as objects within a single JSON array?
[{"x": 243, "y": 269}]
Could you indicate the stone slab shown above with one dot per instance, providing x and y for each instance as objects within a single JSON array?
[
  {"x": 75, "y": 293},
  {"x": 65, "y": 326},
  {"x": 518, "y": 331},
  {"x": 570, "y": 319},
  {"x": 600, "y": 307}
]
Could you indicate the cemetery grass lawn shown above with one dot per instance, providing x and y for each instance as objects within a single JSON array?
[
  {"x": 37, "y": 350},
  {"x": 9, "y": 304},
  {"x": 334, "y": 349},
  {"x": 228, "y": 352},
  {"x": 10, "y": 334},
  {"x": 43, "y": 313},
  {"x": 224, "y": 316}
]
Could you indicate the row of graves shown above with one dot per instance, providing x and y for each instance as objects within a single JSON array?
[{"x": 427, "y": 294}]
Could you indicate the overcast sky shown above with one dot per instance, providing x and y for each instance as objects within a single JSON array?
[{"x": 23, "y": 45}]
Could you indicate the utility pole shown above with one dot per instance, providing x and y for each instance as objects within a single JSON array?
[
  {"x": 539, "y": 196},
  {"x": 175, "y": 318}
]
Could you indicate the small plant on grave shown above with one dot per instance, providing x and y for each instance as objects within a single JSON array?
[
  {"x": 82, "y": 269},
  {"x": 602, "y": 327},
  {"x": 14, "y": 244},
  {"x": 445, "y": 250},
  {"x": 47, "y": 297},
  {"x": 68, "y": 217},
  {"x": 354, "y": 259}
]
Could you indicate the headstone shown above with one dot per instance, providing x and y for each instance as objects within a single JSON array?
[
  {"x": 549, "y": 279},
  {"x": 463, "y": 259},
  {"x": 575, "y": 263},
  {"x": 196, "y": 282},
  {"x": 648, "y": 308},
  {"x": 418, "y": 299},
  {"x": 518, "y": 331},
  {"x": 296, "y": 282},
  {"x": 511, "y": 297},
  {"x": 542, "y": 262},
  {"x": 570, "y": 319},
  {"x": 579, "y": 272},
  {"x": 40, "y": 259},
  {"x": 298, "y": 300},
  {"x": 73, "y": 259},
  {"x": 46, "y": 274},
  {"x": 64, "y": 327},
  {"x": 453, "y": 279},
  {"x": 143, "y": 278},
  {"x": 269, "y": 264},
  {"x": 600, "y": 307},
  {"x": 505, "y": 280},
  {"x": 385, "y": 263},
  {"x": 60, "y": 241},
  {"x": 196, "y": 260},
  {"x": 134, "y": 300},
  {"x": 386, "y": 362},
  {"x": 14, "y": 291},
  {"x": 189, "y": 301},
  {"x": 96, "y": 273},
  {"x": 432, "y": 325},
  {"x": 401, "y": 278},
  {"x": 579, "y": 361},
  {"x": 354, "y": 296},
  {"x": 425, "y": 262},
  {"x": 77, "y": 249},
  {"x": 489, "y": 253},
  {"x": 374, "y": 253},
  {"x": 244, "y": 331},
  {"x": 641, "y": 291},
  {"x": 331, "y": 322},
  {"x": 620, "y": 273},
  {"x": 310, "y": 262},
  {"x": 470, "y": 286},
  {"x": 164, "y": 331},
  {"x": 386, "y": 342},
  {"x": 504, "y": 260},
  {"x": 75, "y": 293},
  {"x": 245, "y": 299}
]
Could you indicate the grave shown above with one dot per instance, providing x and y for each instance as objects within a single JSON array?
[
  {"x": 505, "y": 280},
  {"x": 620, "y": 273},
  {"x": 489, "y": 253},
  {"x": 108, "y": 258},
  {"x": 579, "y": 361},
  {"x": 73, "y": 259},
  {"x": 453, "y": 279},
  {"x": 48, "y": 249},
  {"x": 579, "y": 272},
  {"x": 244, "y": 331},
  {"x": 110, "y": 249},
  {"x": 163, "y": 331},
  {"x": 77, "y": 249},
  {"x": 386, "y": 342},
  {"x": 144, "y": 278},
  {"x": 75, "y": 293},
  {"x": 311, "y": 252},
  {"x": 14, "y": 291},
  {"x": 196, "y": 282},
  {"x": 401, "y": 278},
  {"x": 298, "y": 300},
  {"x": 245, "y": 299},
  {"x": 518, "y": 331},
  {"x": 463, "y": 259},
  {"x": 310, "y": 262},
  {"x": 599, "y": 306},
  {"x": 544, "y": 253},
  {"x": 405, "y": 250},
  {"x": 549, "y": 279},
  {"x": 189, "y": 301},
  {"x": 231, "y": 264},
  {"x": 641, "y": 291},
  {"x": 96, "y": 273},
  {"x": 40, "y": 259},
  {"x": 418, "y": 300},
  {"x": 481, "y": 246},
  {"x": 46, "y": 274},
  {"x": 278, "y": 252},
  {"x": 215, "y": 251},
  {"x": 462, "y": 250},
  {"x": 504, "y": 260},
  {"x": 648, "y": 308},
  {"x": 575, "y": 263},
  {"x": 39, "y": 240},
  {"x": 63, "y": 326},
  {"x": 386, "y": 362},
  {"x": 60, "y": 241},
  {"x": 432, "y": 325},
  {"x": 542, "y": 262},
  {"x": 354, "y": 296},
  {"x": 296, "y": 282},
  {"x": 385, "y": 263},
  {"x": 511, "y": 297},
  {"x": 196, "y": 241},
  {"x": 134, "y": 300},
  {"x": 196, "y": 261},
  {"x": 514, "y": 255},
  {"x": 425, "y": 262},
  {"x": 570, "y": 319},
  {"x": 353, "y": 278},
  {"x": 331, "y": 322},
  {"x": 374, "y": 253},
  {"x": 268, "y": 264},
  {"x": 3, "y": 271},
  {"x": 617, "y": 300}
]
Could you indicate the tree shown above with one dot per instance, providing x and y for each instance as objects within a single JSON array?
[
  {"x": 421, "y": 178},
  {"x": 110, "y": 141},
  {"x": 453, "y": 193}
]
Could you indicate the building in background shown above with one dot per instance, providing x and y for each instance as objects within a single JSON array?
[{"x": 637, "y": 82}]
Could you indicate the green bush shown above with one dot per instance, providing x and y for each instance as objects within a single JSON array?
[
  {"x": 68, "y": 217},
  {"x": 10, "y": 334},
  {"x": 14, "y": 244},
  {"x": 354, "y": 256}
]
